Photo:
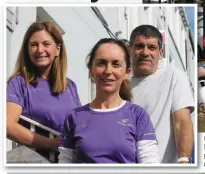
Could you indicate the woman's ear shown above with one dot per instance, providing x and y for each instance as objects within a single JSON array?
[
  {"x": 127, "y": 73},
  {"x": 90, "y": 72},
  {"x": 90, "y": 75},
  {"x": 58, "y": 49}
]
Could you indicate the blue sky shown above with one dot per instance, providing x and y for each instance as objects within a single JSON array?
[{"x": 190, "y": 14}]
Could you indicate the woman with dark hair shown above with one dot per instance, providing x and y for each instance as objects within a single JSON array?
[
  {"x": 109, "y": 129},
  {"x": 39, "y": 88}
]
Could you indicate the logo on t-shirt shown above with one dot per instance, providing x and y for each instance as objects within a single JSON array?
[
  {"x": 125, "y": 122},
  {"x": 83, "y": 125}
]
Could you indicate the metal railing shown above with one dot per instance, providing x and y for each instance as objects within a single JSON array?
[{"x": 52, "y": 133}]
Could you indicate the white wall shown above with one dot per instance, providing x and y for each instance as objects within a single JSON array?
[{"x": 26, "y": 17}]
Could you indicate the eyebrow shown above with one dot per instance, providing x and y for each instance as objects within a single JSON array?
[
  {"x": 102, "y": 59},
  {"x": 33, "y": 41},
  {"x": 118, "y": 61},
  {"x": 145, "y": 44}
]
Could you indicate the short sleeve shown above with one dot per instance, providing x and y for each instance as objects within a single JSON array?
[
  {"x": 182, "y": 95},
  {"x": 144, "y": 126},
  {"x": 67, "y": 133},
  {"x": 75, "y": 93},
  {"x": 16, "y": 90}
]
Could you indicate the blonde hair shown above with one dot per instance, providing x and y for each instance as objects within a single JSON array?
[{"x": 25, "y": 68}]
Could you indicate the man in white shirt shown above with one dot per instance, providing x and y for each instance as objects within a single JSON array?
[{"x": 164, "y": 92}]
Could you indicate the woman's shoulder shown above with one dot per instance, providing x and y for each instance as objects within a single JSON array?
[
  {"x": 71, "y": 83},
  {"x": 18, "y": 79},
  {"x": 136, "y": 109},
  {"x": 133, "y": 106},
  {"x": 79, "y": 112},
  {"x": 81, "y": 109}
]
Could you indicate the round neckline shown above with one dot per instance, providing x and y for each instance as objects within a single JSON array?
[{"x": 107, "y": 110}]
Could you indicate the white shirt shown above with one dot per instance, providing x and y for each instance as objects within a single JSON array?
[{"x": 161, "y": 94}]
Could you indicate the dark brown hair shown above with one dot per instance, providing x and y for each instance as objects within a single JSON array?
[{"x": 147, "y": 31}]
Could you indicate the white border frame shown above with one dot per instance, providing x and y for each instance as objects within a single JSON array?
[{"x": 95, "y": 166}]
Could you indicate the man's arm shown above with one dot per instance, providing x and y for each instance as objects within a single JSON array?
[{"x": 183, "y": 129}]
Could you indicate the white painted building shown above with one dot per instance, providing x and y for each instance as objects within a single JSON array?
[{"x": 82, "y": 27}]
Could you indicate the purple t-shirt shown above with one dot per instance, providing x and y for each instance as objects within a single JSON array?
[
  {"x": 106, "y": 137},
  {"x": 40, "y": 105}
]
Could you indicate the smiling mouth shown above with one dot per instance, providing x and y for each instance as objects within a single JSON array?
[
  {"x": 42, "y": 57},
  {"x": 107, "y": 80}
]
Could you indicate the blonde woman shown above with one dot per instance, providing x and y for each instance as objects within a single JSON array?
[{"x": 39, "y": 88}]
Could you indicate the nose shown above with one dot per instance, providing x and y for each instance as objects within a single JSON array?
[
  {"x": 40, "y": 49},
  {"x": 145, "y": 50},
  {"x": 108, "y": 69}
]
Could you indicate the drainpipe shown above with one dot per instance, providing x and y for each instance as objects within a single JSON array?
[
  {"x": 166, "y": 39},
  {"x": 127, "y": 17},
  {"x": 17, "y": 15}
]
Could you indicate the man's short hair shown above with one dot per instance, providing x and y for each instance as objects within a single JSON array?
[{"x": 147, "y": 31}]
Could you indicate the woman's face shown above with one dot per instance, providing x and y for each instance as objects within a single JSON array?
[
  {"x": 42, "y": 49},
  {"x": 109, "y": 68}
]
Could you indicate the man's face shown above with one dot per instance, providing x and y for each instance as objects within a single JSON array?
[{"x": 145, "y": 53}]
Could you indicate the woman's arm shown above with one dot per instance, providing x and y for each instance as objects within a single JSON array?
[
  {"x": 22, "y": 135},
  {"x": 66, "y": 148},
  {"x": 146, "y": 141}
]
